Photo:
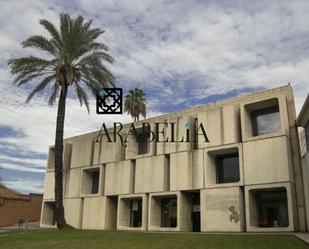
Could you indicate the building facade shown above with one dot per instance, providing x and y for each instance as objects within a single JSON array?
[
  {"x": 246, "y": 177},
  {"x": 303, "y": 122},
  {"x": 16, "y": 206}
]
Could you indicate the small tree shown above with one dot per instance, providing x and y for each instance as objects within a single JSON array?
[{"x": 135, "y": 103}]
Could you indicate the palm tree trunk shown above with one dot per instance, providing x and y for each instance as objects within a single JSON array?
[{"x": 59, "y": 209}]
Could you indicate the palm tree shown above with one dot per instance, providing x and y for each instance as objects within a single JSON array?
[
  {"x": 75, "y": 60},
  {"x": 135, "y": 103}
]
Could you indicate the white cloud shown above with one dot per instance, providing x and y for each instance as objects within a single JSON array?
[
  {"x": 34, "y": 162},
  {"x": 13, "y": 166},
  {"x": 25, "y": 185},
  {"x": 176, "y": 50}
]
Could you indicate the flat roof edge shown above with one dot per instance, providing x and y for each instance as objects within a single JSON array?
[{"x": 287, "y": 87}]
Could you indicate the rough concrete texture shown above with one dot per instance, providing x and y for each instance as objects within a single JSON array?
[
  {"x": 119, "y": 177},
  {"x": 186, "y": 170},
  {"x": 94, "y": 213},
  {"x": 73, "y": 211},
  {"x": 223, "y": 210},
  {"x": 151, "y": 174},
  {"x": 265, "y": 161},
  {"x": 82, "y": 151},
  {"x": 72, "y": 183}
]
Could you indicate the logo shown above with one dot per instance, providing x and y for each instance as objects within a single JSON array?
[
  {"x": 157, "y": 134},
  {"x": 109, "y": 101}
]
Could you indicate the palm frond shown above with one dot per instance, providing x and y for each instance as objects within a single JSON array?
[
  {"x": 40, "y": 86},
  {"x": 54, "y": 92},
  {"x": 82, "y": 96},
  {"x": 75, "y": 52},
  {"x": 56, "y": 38},
  {"x": 38, "y": 41}
]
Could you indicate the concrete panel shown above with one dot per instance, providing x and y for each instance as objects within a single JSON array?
[
  {"x": 251, "y": 211},
  {"x": 73, "y": 211},
  {"x": 231, "y": 124},
  {"x": 305, "y": 168},
  {"x": 182, "y": 123},
  {"x": 222, "y": 210},
  {"x": 82, "y": 150},
  {"x": 111, "y": 208},
  {"x": 267, "y": 161},
  {"x": 51, "y": 159},
  {"x": 73, "y": 183},
  {"x": 151, "y": 174},
  {"x": 212, "y": 122},
  {"x": 94, "y": 212},
  {"x": 47, "y": 215},
  {"x": 222, "y": 126},
  {"x": 67, "y": 155},
  {"x": 124, "y": 209},
  {"x": 105, "y": 152},
  {"x": 119, "y": 178},
  {"x": 185, "y": 127},
  {"x": 49, "y": 186},
  {"x": 198, "y": 169},
  {"x": 186, "y": 170}
]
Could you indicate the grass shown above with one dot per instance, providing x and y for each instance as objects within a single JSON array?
[{"x": 78, "y": 239}]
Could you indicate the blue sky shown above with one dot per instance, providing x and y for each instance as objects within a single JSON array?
[{"x": 182, "y": 53}]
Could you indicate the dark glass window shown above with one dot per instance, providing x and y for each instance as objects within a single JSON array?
[
  {"x": 169, "y": 212},
  {"x": 136, "y": 213},
  {"x": 265, "y": 121},
  {"x": 143, "y": 141},
  {"x": 227, "y": 167},
  {"x": 95, "y": 182},
  {"x": 272, "y": 209}
]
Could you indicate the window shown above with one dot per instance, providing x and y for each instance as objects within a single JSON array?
[
  {"x": 90, "y": 181},
  {"x": 265, "y": 121},
  {"x": 227, "y": 167},
  {"x": 136, "y": 213},
  {"x": 169, "y": 212},
  {"x": 142, "y": 140},
  {"x": 95, "y": 182},
  {"x": 271, "y": 206}
]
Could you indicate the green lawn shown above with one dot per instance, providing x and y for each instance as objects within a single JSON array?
[{"x": 75, "y": 239}]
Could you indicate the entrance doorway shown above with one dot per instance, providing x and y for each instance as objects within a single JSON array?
[
  {"x": 196, "y": 212},
  {"x": 136, "y": 212}
]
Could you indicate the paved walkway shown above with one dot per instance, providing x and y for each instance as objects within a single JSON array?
[
  {"x": 303, "y": 236},
  {"x": 31, "y": 225}
]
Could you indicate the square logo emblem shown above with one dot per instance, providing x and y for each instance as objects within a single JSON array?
[{"x": 109, "y": 101}]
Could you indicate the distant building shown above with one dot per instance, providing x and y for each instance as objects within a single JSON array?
[
  {"x": 303, "y": 122},
  {"x": 247, "y": 177},
  {"x": 15, "y": 206}
]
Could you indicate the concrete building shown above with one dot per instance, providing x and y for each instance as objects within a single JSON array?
[
  {"x": 247, "y": 177},
  {"x": 303, "y": 122}
]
